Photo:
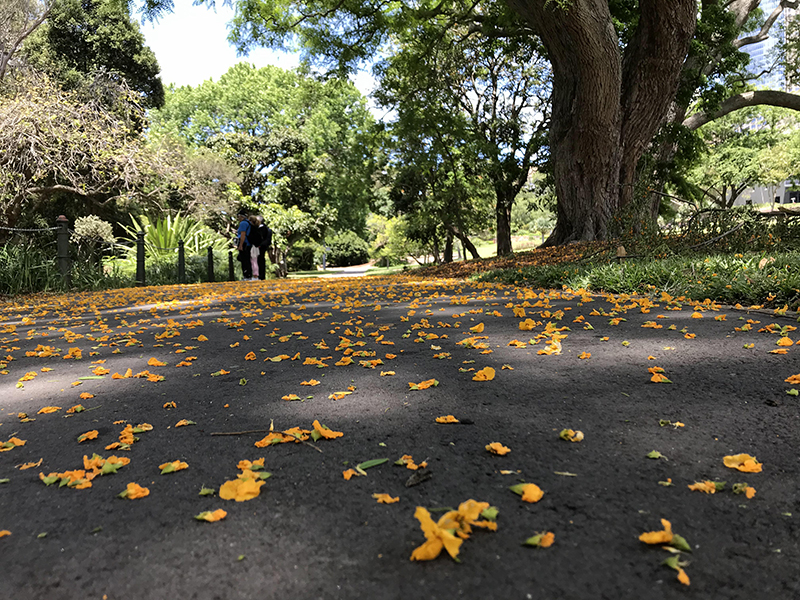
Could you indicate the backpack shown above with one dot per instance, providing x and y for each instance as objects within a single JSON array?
[{"x": 254, "y": 236}]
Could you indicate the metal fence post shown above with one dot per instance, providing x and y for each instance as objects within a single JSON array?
[
  {"x": 231, "y": 275},
  {"x": 62, "y": 249},
  {"x": 140, "y": 277},
  {"x": 181, "y": 263},
  {"x": 210, "y": 264}
]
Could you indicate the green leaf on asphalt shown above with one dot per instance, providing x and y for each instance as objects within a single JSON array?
[
  {"x": 91, "y": 377},
  {"x": 109, "y": 468},
  {"x": 792, "y": 392},
  {"x": 42, "y": 535},
  {"x": 96, "y": 530},
  {"x": 655, "y": 454},
  {"x": 720, "y": 485},
  {"x": 367, "y": 464},
  {"x": 207, "y": 491},
  {"x": 50, "y": 480},
  {"x": 315, "y": 435},
  {"x": 490, "y": 514},
  {"x": 666, "y": 483},
  {"x": 680, "y": 543},
  {"x": 243, "y": 381},
  {"x": 168, "y": 468},
  {"x": 240, "y": 557},
  {"x": 5, "y": 480}
]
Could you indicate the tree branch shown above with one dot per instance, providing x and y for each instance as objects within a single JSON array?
[{"x": 744, "y": 100}]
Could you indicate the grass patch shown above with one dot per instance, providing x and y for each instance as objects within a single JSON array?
[{"x": 756, "y": 278}]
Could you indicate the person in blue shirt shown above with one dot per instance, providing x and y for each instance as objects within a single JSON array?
[{"x": 243, "y": 246}]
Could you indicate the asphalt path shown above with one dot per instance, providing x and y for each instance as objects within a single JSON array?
[{"x": 248, "y": 347}]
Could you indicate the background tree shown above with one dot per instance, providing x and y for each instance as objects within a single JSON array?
[
  {"x": 80, "y": 37},
  {"x": 309, "y": 138},
  {"x": 621, "y": 70},
  {"x": 18, "y": 20},
  {"x": 463, "y": 91}
]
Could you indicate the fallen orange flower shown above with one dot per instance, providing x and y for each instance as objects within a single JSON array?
[
  {"x": 89, "y": 435},
  {"x": 48, "y": 409},
  {"x": 447, "y": 419},
  {"x": 742, "y": 462},
  {"x": 437, "y": 538},
  {"x": 85, "y": 396},
  {"x": 240, "y": 490},
  {"x": 485, "y": 374},
  {"x": 658, "y": 537},
  {"x": 497, "y": 448},
  {"x": 184, "y": 423},
  {"x": 349, "y": 473},
  {"x": 210, "y": 516},
  {"x": 134, "y": 491},
  {"x": 784, "y": 341},
  {"x": 385, "y": 498},
  {"x": 250, "y": 356},
  {"x": 310, "y": 382},
  {"x": 154, "y": 362},
  {"x": 325, "y": 432},
  {"x": 477, "y": 329},
  {"x": 423, "y": 385},
  {"x": 707, "y": 487}
]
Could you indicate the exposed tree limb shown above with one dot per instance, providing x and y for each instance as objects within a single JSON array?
[{"x": 744, "y": 100}]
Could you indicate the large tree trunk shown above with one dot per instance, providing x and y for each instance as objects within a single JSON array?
[
  {"x": 605, "y": 109},
  {"x": 503, "y": 215}
]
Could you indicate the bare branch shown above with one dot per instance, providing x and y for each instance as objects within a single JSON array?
[{"x": 744, "y": 100}]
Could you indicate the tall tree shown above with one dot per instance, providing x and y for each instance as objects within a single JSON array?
[
  {"x": 617, "y": 68},
  {"x": 297, "y": 121},
  {"x": 18, "y": 20},
  {"x": 489, "y": 95},
  {"x": 80, "y": 37}
]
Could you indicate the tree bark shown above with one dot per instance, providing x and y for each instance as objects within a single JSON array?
[
  {"x": 448, "y": 247},
  {"x": 605, "y": 109},
  {"x": 503, "y": 218},
  {"x": 465, "y": 242}
]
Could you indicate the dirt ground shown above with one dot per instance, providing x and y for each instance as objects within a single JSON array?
[{"x": 310, "y": 533}]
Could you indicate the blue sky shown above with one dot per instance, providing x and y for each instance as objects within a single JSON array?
[{"x": 191, "y": 46}]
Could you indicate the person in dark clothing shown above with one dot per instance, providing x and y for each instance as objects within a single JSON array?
[
  {"x": 243, "y": 246},
  {"x": 264, "y": 236}
]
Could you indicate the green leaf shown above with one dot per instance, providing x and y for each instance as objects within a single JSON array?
[
  {"x": 264, "y": 475},
  {"x": 655, "y": 454},
  {"x": 168, "y": 468},
  {"x": 664, "y": 422},
  {"x": 240, "y": 557},
  {"x": 672, "y": 562},
  {"x": 680, "y": 543},
  {"x": 666, "y": 483},
  {"x": 490, "y": 514},
  {"x": 792, "y": 392},
  {"x": 720, "y": 485},
  {"x": 96, "y": 530},
  {"x": 50, "y": 480},
  {"x": 123, "y": 494},
  {"x": 517, "y": 489},
  {"x": 91, "y": 377},
  {"x": 315, "y": 435},
  {"x": 243, "y": 381},
  {"x": 5, "y": 480},
  {"x": 207, "y": 491},
  {"x": 368, "y": 464},
  {"x": 109, "y": 468},
  {"x": 42, "y": 535}
]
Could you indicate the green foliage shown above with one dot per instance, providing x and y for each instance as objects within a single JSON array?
[
  {"x": 163, "y": 269},
  {"x": 725, "y": 278},
  {"x": 302, "y": 256},
  {"x": 80, "y": 37},
  {"x": 347, "y": 249},
  {"x": 296, "y": 140},
  {"x": 162, "y": 236},
  {"x": 28, "y": 266}
]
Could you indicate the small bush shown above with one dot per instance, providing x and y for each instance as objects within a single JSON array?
[
  {"x": 302, "y": 257},
  {"x": 347, "y": 249}
]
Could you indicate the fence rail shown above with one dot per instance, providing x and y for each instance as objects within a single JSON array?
[{"x": 64, "y": 254}]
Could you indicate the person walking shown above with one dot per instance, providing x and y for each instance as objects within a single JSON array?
[
  {"x": 243, "y": 246},
  {"x": 254, "y": 239},
  {"x": 265, "y": 242}
]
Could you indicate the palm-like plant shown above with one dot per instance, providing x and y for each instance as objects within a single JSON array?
[{"x": 161, "y": 237}]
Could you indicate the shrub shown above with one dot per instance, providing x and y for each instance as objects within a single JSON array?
[{"x": 347, "y": 249}]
